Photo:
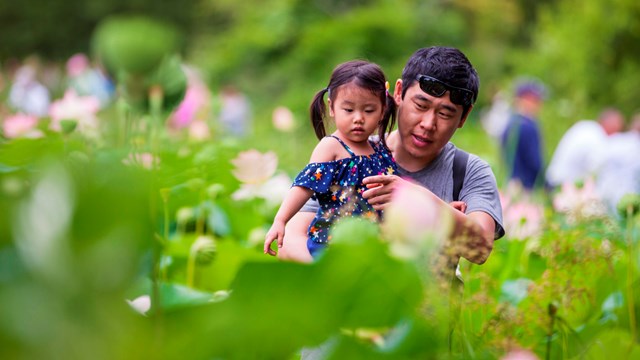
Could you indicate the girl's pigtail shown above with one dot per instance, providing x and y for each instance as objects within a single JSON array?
[
  {"x": 388, "y": 120},
  {"x": 317, "y": 112}
]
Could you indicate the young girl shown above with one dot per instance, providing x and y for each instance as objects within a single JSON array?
[{"x": 359, "y": 103}]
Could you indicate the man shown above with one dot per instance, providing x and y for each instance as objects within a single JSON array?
[
  {"x": 434, "y": 98},
  {"x": 521, "y": 140},
  {"x": 582, "y": 147}
]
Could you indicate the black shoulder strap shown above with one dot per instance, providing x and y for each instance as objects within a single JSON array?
[{"x": 460, "y": 159}]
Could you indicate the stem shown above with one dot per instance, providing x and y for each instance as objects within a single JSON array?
[
  {"x": 630, "y": 275},
  {"x": 552, "y": 314},
  {"x": 191, "y": 267}
]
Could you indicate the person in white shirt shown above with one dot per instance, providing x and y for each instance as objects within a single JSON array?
[
  {"x": 576, "y": 157},
  {"x": 618, "y": 171}
]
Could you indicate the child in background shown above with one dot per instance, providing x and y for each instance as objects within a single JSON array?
[{"x": 359, "y": 103}]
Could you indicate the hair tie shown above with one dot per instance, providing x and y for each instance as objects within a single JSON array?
[
  {"x": 328, "y": 91},
  {"x": 386, "y": 86}
]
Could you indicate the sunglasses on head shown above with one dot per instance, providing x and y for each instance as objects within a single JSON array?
[{"x": 437, "y": 88}]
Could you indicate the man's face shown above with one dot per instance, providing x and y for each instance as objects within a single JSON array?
[{"x": 425, "y": 124}]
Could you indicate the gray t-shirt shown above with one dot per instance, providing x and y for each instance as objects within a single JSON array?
[{"x": 479, "y": 189}]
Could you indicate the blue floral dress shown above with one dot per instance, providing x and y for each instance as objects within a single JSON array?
[{"x": 338, "y": 187}]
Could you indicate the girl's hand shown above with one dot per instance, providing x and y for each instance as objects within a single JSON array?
[
  {"x": 276, "y": 232},
  {"x": 379, "y": 189},
  {"x": 459, "y": 205}
]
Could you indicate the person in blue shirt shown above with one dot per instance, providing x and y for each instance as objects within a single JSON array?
[{"x": 521, "y": 141}]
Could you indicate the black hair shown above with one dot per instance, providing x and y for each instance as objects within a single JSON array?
[
  {"x": 446, "y": 64},
  {"x": 363, "y": 74}
]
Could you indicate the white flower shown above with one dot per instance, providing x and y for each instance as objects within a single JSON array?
[
  {"x": 283, "y": 119},
  {"x": 414, "y": 222},
  {"x": 254, "y": 167},
  {"x": 141, "y": 304}
]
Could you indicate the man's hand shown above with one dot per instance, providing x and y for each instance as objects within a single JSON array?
[{"x": 275, "y": 233}]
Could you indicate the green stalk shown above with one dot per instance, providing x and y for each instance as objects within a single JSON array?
[
  {"x": 552, "y": 314},
  {"x": 630, "y": 274}
]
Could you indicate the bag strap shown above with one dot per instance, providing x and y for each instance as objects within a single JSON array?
[{"x": 460, "y": 159}]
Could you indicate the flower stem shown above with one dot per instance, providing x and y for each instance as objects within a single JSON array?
[{"x": 630, "y": 274}]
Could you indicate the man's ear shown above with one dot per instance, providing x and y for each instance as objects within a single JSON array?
[
  {"x": 397, "y": 92},
  {"x": 462, "y": 121}
]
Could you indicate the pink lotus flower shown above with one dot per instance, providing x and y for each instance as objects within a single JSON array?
[
  {"x": 579, "y": 202},
  {"x": 199, "y": 131},
  {"x": 273, "y": 190},
  {"x": 283, "y": 119},
  {"x": 520, "y": 354},
  {"x": 414, "y": 223},
  {"x": 254, "y": 167},
  {"x": 21, "y": 125},
  {"x": 523, "y": 220},
  {"x": 83, "y": 109}
]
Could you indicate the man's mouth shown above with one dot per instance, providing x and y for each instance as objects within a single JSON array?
[{"x": 421, "y": 141}]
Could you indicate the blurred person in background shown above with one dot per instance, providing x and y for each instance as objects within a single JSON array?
[
  {"x": 27, "y": 94},
  {"x": 618, "y": 169},
  {"x": 582, "y": 148},
  {"x": 521, "y": 140},
  {"x": 235, "y": 112},
  {"x": 87, "y": 80}
]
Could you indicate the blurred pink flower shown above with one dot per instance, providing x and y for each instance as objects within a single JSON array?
[
  {"x": 21, "y": 125},
  {"x": 283, "y": 119},
  {"x": 199, "y": 131},
  {"x": 83, "y": 109},
  {"x": 523, "y": 220},
  {"x": 520, "y": 354},
  {"x": 414, "y": 222},
  {"x": 145, "y": 160},
  {"x": 254, "y": 167},
  {"x": 579, "y": 202},
  {"x": 272, "y": 190}
]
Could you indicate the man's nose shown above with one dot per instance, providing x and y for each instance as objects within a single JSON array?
[{"x": 428, "y": 121}]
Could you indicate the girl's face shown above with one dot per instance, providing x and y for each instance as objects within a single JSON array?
[{"x": 356, "y": 112}]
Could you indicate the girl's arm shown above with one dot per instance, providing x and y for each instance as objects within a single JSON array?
[
  {"x": 325, "y": 151},
  {"x": 294, "y": 201}
]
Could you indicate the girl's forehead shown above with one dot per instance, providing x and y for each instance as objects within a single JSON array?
[{"x": 353, "y": 92}]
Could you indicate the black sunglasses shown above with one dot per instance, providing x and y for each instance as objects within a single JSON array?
[{"x": 437, "y": 88}]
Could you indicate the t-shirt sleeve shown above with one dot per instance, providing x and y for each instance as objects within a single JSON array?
[
  {"x": 480, "y": 192},
  {"x": 316, "y": 176}
]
